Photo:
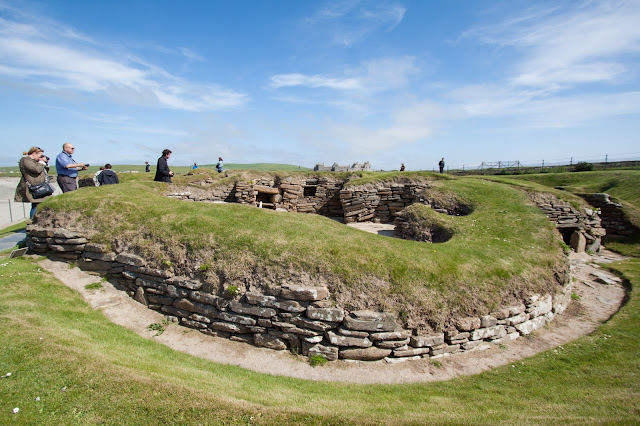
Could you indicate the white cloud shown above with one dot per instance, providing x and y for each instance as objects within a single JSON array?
[
  {"x": 350, "y": 22},
  {"x": 314, "y": 81},
  {"x": 407, "y": 125},
  {"x": 58, "y": 58},
  {"x": 374, "y": 76},
  {"x": 584, "y": 44}
]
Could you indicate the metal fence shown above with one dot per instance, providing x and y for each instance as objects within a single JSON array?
[{"x": 10, "y": 211}]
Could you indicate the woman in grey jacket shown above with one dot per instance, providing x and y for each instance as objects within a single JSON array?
[{"x": 33, "y": 168}]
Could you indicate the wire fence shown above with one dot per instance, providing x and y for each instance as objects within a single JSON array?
[{"x": 603, "y": 160}]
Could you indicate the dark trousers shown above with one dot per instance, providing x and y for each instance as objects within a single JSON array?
[{"x": 67, "y": 184}]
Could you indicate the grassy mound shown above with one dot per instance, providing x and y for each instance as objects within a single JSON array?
[{"x": 501, "y": 252}]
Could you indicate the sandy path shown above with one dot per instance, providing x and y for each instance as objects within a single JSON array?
[{"x": 598, "y": 302}]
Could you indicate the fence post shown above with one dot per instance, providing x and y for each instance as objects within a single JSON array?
[
  {"x": 24, "y": 213},
  {"x": 542, "y": 169},
  {"x": 10, "y": 212}
]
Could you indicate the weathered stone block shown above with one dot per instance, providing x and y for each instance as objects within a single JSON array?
[
  {"x": 303, "y": 293},
  {"x": 429, "y": 341},
  {"x": 329, "y": 352},
  {"x": 368, "y": 354},
  {"x": 339, "y": 340},
  {"x": 370, "y": 321},
  {"x": 269, "y": 341},
  {"x": 518, "y": 319},
  {"x": 488, "y": 321},
  {"x": 106, "y": 257},
  {"x": 238, "y": 319},
  {"x": 95, "y": 248},
  {"x": 325, "y": 314},
  {"x": 401, "y": 353},
  {"x": 130, "y": 259},
  {"x": 228, "y": 327},
  {"x": 259, "y": 311},
  {"x": 467, "y": 323},
  {"x": 391, "y": 335},
  {"x": 391, "y": 344},
  {"x": 273, "y": 302},
  {"x": 445, "y": 350}
]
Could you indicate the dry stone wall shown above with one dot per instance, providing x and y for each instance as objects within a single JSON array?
[
  {"x": 298, "y": 318},
  {"x": 581, "y": 228},
  {"x": 613, "y": 218}
]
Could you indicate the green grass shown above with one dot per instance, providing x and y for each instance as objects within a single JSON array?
[
  {"x": 504, "y": 247},
  {"x": 86, "y": 370}
]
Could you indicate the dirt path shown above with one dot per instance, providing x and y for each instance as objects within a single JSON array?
[{"x": 597, "y": 303}]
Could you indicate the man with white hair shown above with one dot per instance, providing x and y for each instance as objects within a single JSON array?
[{"x": 68, "y": 168}]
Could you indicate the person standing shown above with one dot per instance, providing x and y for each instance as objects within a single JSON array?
[
  {"x": 402, "y": 167},
  {"x": 33, "y": 167},
  {"x": 195, "y": 166},
  {"x": 163, "y": 174},
  {"x": 441, "y": 165},
  {"x": 147, "y": 167},
  {"x": 68, "y": 169},
  {"x": 220, "y": 165}
]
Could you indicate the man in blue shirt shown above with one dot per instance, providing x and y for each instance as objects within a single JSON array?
[{"x": 68, "y": 168}]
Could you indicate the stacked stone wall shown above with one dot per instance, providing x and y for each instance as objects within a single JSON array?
[
  {"x": 582, "y": 227},
  {"x": 613, "y": 218},
  {"x": 298, "y": 318}
]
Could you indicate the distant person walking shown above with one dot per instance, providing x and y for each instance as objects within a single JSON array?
[
  {"x": 33, "y": 167},
  {"x": 163, "y": 174},
  {"x": 441, "y": 165},
  {"x": 402, "y": 167},
  {"x": 220, "y": 165},
  {"x": 68, "y": 168},
  {"x": 195, "y": 166},
  {"x": 147, "y": 167},
  {"x": 108, "y": 176}
]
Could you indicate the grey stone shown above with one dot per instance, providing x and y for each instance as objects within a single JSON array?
[
  {"x": 391, "y": 335},
  {"x": 325, "y": 314},
  {"x": 444, "y": 350},
  {"x": 488, "y": 321},
  {"x": 370, "y": 321},
  {"x": 191, "y": 323},
  {"x": 95, "y": 247},
  {"x": 184, "y": 282},
  {"x": 467, "y": 323},
  {"x": 329, "y": 352},
  {"x": 176, "y": 292},
  {"x": 130, "y": 259},
  {"x": 65, "y": 233},
  {"x": 368, "y": 354},
  {"x": 429, "y": 341},
  {"x": 273, "y": 302},
  {"x": 339, "y": 340},
  {"x": 259, "y": 311},
  {"x": 269, "y": 341},
  {"x": 391, "y": 344},
  {"x": 107, "y": 257},
  {"x": 140, "y": 297},
  {"x": 313, "y": 325},
  {"x": 239, "y": 319},
  {"x": 202, "y": 297},
  {"x": 228, "y": 327},
  {"x": 352, "y": 333},
  {"x": 410, "y": 352},
  {"x": 303, "y": 293}
]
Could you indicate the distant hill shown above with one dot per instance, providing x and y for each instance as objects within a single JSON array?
[{"x": 260, "y": 167}]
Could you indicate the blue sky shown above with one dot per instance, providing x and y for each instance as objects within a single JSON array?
[{"x": 302, "y": 82}]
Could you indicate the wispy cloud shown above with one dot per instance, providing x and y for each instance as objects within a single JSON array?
[
  {"x": 560, "y": 51},
  {"x": 350, "y": 22},
  {"x": 564, "y": 47},
  {"x": 48, "y": 55},
  {"x": 372, "y": 76}
]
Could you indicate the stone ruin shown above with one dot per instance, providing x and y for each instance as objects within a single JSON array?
[
  {"x": 335, "y": 167},
  {"x": 302, "y": 319}
]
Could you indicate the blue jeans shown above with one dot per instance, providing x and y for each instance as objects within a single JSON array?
[{"x": 34, "y": 206}]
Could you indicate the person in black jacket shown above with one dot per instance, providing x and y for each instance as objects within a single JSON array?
[
  {"x": 108, "y": 176},
  {"x": 163, "y": 174}
]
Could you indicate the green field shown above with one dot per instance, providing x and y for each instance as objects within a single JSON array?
[{"x": 69, "y": 365}]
